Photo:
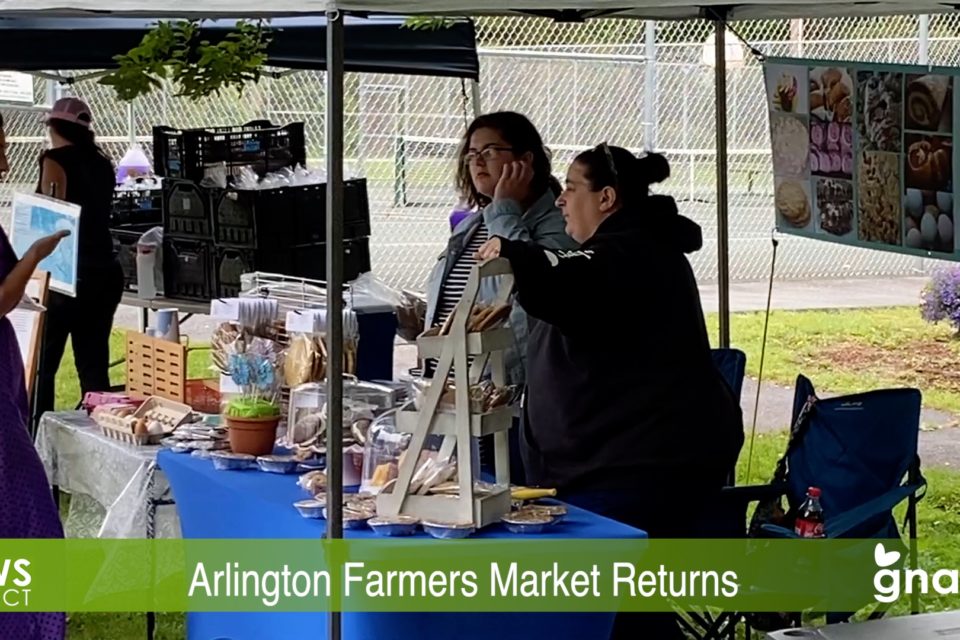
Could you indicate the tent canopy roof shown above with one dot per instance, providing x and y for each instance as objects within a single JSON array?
[
  {"x": 379, "y": 44},
  {"x": 654, "y": 9}
]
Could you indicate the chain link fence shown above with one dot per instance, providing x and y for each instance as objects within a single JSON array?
[{"x": 581, "y": 84}]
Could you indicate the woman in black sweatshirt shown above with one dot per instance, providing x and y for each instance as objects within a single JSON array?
[{"x": 626, "y": 413}]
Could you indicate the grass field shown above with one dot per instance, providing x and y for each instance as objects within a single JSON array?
[{"x": 854, "y": 350}]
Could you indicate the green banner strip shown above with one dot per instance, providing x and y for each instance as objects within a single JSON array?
[{"x": 426, "y": 575}]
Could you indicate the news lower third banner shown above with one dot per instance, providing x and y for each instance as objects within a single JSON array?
[{"x": 420, "y": 575}]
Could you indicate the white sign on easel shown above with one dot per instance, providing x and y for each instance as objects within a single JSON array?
[
  {"x": 16, "y": 88},
  {"x": 36, "y": 216}
]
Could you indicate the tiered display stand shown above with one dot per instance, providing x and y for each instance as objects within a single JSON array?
[{"x": 454, "y": 352}]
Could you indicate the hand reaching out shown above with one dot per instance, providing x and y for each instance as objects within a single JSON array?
[{"x": 46, "y": 245}]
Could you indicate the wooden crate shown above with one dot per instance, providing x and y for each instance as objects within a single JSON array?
[{"x": 156, "y": 368}]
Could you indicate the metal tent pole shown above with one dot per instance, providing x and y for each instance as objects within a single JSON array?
[
  {"x": 334, "y": 143},
  {"x": 723, "y": 244},
  {"x": 475, "y": 101}
]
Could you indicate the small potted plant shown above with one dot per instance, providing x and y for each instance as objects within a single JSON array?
[{"x": 253, "y": 416}]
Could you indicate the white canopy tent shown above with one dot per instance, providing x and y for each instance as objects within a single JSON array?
[{"x": 565, "y": 10}]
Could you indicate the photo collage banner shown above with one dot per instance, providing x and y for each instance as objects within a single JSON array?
[{"x": 863, "y": 154}]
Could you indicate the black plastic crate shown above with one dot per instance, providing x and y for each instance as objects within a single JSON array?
[
  {"x": 188, "y": 269},
  {"x": 186, "y": 210},
  {"x": 312, "y": 212},
  {"x": 261, "y": 145},
  {"x": 310, "y": 260},
  {"x": 125, "y": 247},
  {"x": 301, "y": 261},
  {"x": 231, "y": 263},
  {"x": 279, "y": 218},
  {"x": 264, "y": 219},
  {"x": 137, "y": 207}
]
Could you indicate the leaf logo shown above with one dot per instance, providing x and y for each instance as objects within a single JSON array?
[{"x": 885, "y": 558}]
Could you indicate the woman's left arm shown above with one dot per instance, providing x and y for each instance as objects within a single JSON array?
[{"x": 553, "y": 285}]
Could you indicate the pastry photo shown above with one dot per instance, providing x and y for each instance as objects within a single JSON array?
[
  {"x": 831, "y": 94},
  {"x": 787, "y": 88},
  {"x": 879, "y": 110},
  {"x": 928, "y": 162},
  {"x": 929, "y": 103},
  {"x": 879, "y": 202},
  {"x": 831, "y": 149},
  {"x": 834, "y": 206},
  {"x": 792, "y": 200},
  {"x": 790, "y": 140},
  {"x": 928, "y": 221}
]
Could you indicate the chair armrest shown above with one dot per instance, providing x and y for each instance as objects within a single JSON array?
[
  {"x": 753, "y": 493},
  {"x": 776, "y": 531},
  {"x": 840, "y": 525}
]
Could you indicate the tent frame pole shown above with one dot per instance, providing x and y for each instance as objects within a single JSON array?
[
  {"x": 475, "y": 101},
  {"x": 723, "y": 238},
  {"x": 334, "y": 278}
]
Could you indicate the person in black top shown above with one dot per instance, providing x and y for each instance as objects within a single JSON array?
[
  {"x": 626, "y": 414},
  {"x": 625, "y": 406},
  {"x": 76, "y": 170}
]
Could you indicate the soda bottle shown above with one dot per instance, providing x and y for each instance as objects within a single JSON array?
[{"x": 809, "y": 522}]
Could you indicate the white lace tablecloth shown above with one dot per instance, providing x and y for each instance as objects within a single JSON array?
[{"x": 114, "y": 487}]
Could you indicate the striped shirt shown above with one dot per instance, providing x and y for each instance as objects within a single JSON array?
[{"x": 451, "y": 291}]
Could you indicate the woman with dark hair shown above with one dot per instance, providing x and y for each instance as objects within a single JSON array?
[
  {"x": 622, "y": 403},
  {"x": 75, "y": 169},
  {"x": 503, "y": 175},
  {"x": 626, "y": 414},
  {"x": 27, "y": 509}
]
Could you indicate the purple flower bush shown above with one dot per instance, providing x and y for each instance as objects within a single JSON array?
[{"x": 941, "y": 298}]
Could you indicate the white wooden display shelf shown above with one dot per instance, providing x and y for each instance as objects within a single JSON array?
[
  {"x": 487, "y": 509},
  {"x": 453, "y": 352},
  {"x": 445, "y": 424},
  {"x": 478, "y": 344}
]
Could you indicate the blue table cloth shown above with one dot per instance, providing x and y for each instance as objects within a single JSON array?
[{"x": 252, "y": 504}]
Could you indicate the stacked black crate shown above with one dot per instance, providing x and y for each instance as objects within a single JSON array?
[
  {"x": 185, "y": 157},
  {"x": 283, "y": 231},
  {"x": 187, "y": 241},
  {"x": 133, "y": 213}
]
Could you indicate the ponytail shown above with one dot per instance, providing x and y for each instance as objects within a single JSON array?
[{"x": 630, "y": 176}]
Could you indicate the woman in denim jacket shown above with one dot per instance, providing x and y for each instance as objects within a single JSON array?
[{"x": 503, "y": 174}]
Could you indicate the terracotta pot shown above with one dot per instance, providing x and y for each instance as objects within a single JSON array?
[{"x": 253, "y": 436}]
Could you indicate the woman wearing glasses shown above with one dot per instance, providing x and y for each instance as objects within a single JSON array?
[{"x": 503, "y": 175}]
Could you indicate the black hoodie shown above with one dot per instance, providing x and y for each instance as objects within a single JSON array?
[{"x": 621, "y": 388}]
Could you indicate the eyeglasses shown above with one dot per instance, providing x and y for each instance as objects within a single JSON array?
[
  {"x": 488, "y": 154},
  {"x": 605, "y": 149}
]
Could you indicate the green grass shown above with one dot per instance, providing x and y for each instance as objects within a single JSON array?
[{"x": 853, "y": 350}]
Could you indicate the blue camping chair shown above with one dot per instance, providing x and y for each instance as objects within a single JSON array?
[
  {"x": 719, "y": 521},
  {"x": 732, "y": 364},
  {"x": 861, "y": 450}
]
